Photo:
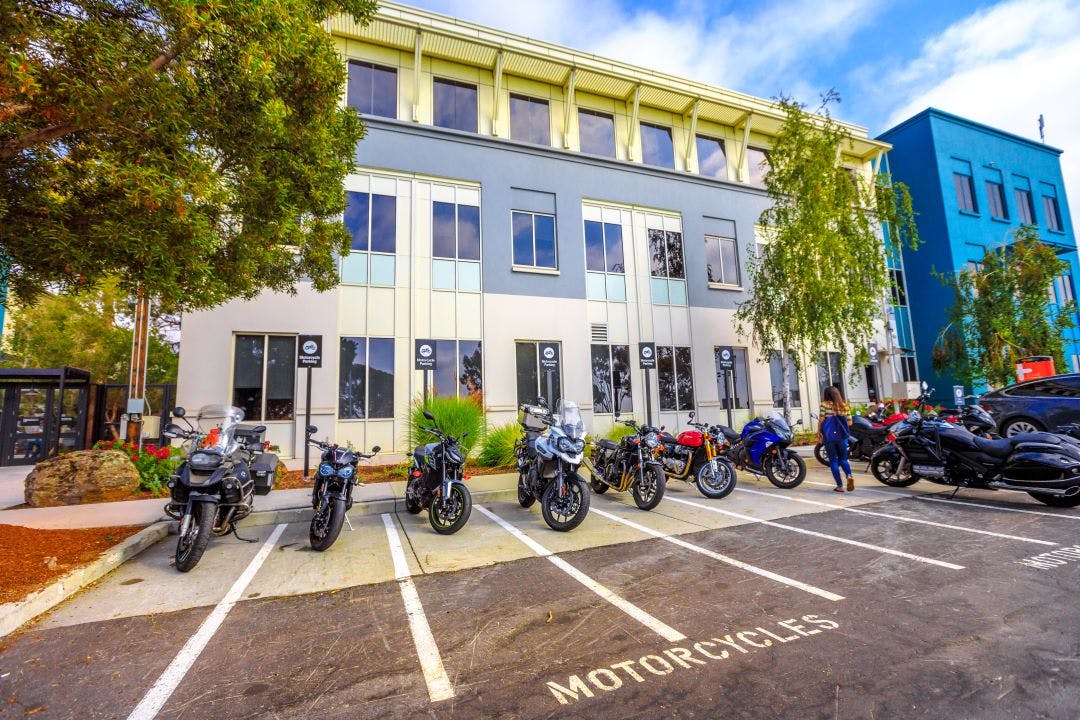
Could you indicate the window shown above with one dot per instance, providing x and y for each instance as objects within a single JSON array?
[
  {"x": 455, "y": 105},
  {"x": 656, "y": 145},
  {"x": 1025, "y": 207},
  {"x": 757, "y": 165},
  {"x": 372, "y": 222},
  {"x": 366, "y": 378},
  {"x": 605, "y": 279},
  {"x": 455, "y": 247},
  {"x": 871, "y": 383},
  {"x": 666, "y": 267},
  {"x": 776, "y": 377},
  {"x": 734, "y": 382},
  {"x": 899, "y": 291},
  {"x": 534, "y": 239},
  {"x": 597, "y": 132},
  {"x": 611, "y": 387},
  {"x": 830, "y": 372},
  {"x": 372, "y": 89},
  {"x": 264, "y": 376},
  {"x": 908, "y": 369},
  {"x": 712, "y": 161},
  {"x": 1050, "y": 387},
  {"x": 995, "y": 196},
  {"x": 1063, "y": 291},
  {"x": 722, "y": 260},
  {"x": 674, "y": 378},
  {"x": 965, "y": 192},
  {"x": 459, "y": 371},
  {"x": 1052, "y": 212},
  {"x": 531, "y": 383},
  {"x": 530, "y": 120}
]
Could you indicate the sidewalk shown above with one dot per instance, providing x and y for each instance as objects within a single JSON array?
[{"x": 11, "y": 484}]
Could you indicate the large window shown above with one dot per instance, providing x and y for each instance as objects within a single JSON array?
[
  {"x": 597, "y": 132},
  {"x": 1025, "y": 207},
  {"x": 674, "y": 378},
  {"x": 722, "y": 260},
  {"x": 831, "y": 372},
  {"x": 455, "y": 105},
  {"x": 909, "y": 370},
  {"x": 530, "y": 120},
  {"x": 611, "y": 387},
  {"x": 372, "y": 89},
  {"x": 899, "y": 290},
  {"x": 1051, "y": 208},
  {"x": 264, "y": 376},
  {"x": 460, "y": 368},
  {"x": 734, "y": 383},
  {"x": 372, "y": 222},
  {"x": 605, "y": 279},
  {"x": 965, "y": 192},
  {"x": 712, "y": 161},
  {"x": 757, "y": 165},
  {"x": 531, "y": 382},
  {"x": 534, "y": 240},
  {"x": 667, "y": 268},
  {"x": 366, "y": 378},
  {"x": 995, "y": 197},
  {"x": 776, "y": 377},
  {"x": 656, "y": 145},
  {"x": 455, "y": 247},
  {"x": 1063, "y": 291}
]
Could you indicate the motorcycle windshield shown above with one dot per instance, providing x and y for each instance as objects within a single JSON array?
[
  {"x": 569, "y": 419},
  {"x": 779, "y": 422},
  {"x": 217, "y": 425}
]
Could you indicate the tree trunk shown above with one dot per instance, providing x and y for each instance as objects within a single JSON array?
[{"x": 785, "y": 384}]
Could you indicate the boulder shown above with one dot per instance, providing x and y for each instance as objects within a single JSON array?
[{"x": 87, "y": 476}]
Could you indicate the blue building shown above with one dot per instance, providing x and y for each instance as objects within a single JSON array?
[{"x": 973, "y": 186}]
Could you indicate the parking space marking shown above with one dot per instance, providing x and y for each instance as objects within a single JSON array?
[
  {"x": 618, "y": 601},
  {"x": 438, "y": 684},
  {"x": 834, "y": 538},
  {"x": 159, "y": 694},
  {"x": 900, "y": 518},
  {"x": 722, "y": 558}
]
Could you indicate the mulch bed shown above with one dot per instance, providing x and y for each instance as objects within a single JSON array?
[
  {"x": 371, "y": 474},
  {"x": 34, "y": 558}
]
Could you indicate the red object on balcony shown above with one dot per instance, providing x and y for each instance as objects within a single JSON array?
[{"x": 1032, "y": 368}]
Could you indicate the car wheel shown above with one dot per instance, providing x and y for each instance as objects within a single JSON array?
[{"x": 1020, "y": 425}]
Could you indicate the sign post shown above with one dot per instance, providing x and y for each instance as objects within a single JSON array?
[
  {"x": 647, "y": 362},
  {"x": 726, "y": 364},
  {"x": 425, "y": 359},
  {"x": 549, "y": 363},
  {"x": 309, "y": 356}
]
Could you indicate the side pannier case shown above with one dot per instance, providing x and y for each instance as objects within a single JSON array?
[{"x": 264, "y": 470}]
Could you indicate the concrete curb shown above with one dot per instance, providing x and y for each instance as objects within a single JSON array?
[{"x": 14, "y": 615}]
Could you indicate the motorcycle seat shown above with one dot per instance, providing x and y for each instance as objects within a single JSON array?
[
  {"x": 606, "y": 444},
  {"x": 729, "y": 433},
  {"x": 668, "y": 439},
  {"x": 995, "y": 448}
]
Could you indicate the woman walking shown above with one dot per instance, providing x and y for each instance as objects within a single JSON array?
[{"x": 833, "y": 432}]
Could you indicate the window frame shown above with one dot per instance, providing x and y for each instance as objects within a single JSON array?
[
  {"x": 741, "y": 354},
  {"x": 1052, "y": 211},
  {"x": 353, "y": 258},
  {"x": 457, "y": 260},
  {"x": 367, "y": 377},
  {"x": 840, "y": 381},
  {"x": 459, "y": 386},
  {"x": 621, "y": 276},
  {"x": 464, "y": 84},
  {"x": 533, "y": 267},
  {"x": 263, "y": 399},
  {"x": 750, "y": 167},
  {"x": 541, "y": 380},
  {"x": 614, "y": 133},
  {"x": 373, "y": 66},
  {"x": 995, "y": 190},
  {"x": 966, "y": 201},
  {"x": 533, "y": 100},
  {"x": 623, "y": 407},
  {"x": 1025, "y": 206},
  {"x": 777, "y": 390},
  {"x": 723, "y": 284},
  {"x": 675, "y": 378},
  {"x": 663, "y": 129},
  {"x": 723, "y": 152},
  {"x": 667, "y": 278}
]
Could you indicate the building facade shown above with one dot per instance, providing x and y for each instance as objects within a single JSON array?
[
  {"x": 511, "y": 192},
  {"x": 973, "y": 186}
]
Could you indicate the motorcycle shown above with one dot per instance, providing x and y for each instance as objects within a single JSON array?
[
  {"x": 762, "y": 449},
  {"x": 629, "y": 464},
  {"x": 549, "y": 452},
  {"x": 1044, "y": 465},
  {"x": 331, "y": 498},
  {"x": 865, "y": 438},
  {"x": 696, "y": 457},
  {"x": 436, "y": 483},
  {"x": 215, "y": 486}
]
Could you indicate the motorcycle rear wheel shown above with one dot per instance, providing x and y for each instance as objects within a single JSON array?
[
  {"x": 649, "y": 496},
  {"x": 326, "y": 524},
  {"x": 784, "y": 474},
  {"x": 192, "y": 544},
  {"x": 821, "y": 455},
  {"x": 412, "y": 505},
  {"x": 886, "y": 470},
  {"x": 458, "y": 514},
  {"x": 718, "y": 484},
  {"x": 568, "y": 512},
  {"x": 525, "y": 496},
  {"x": 1056, "y": 500}
]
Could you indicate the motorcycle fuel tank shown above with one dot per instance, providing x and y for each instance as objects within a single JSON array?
[{"x": 690, "y": 438}]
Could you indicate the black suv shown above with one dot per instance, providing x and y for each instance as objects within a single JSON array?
[{"x": 1041, "y": 404}]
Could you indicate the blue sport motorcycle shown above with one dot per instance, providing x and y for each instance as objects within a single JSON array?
[{"x": 762, "y": 449}]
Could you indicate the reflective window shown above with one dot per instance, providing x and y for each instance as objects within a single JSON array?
[
  {"x": 455, "y": 235},
  {"x": 372, "y": 89},
  {"x": 1025, "y": 208},
  {"x": 530, "y": 120},
  {"x": 656, "y": 145},
  {"x": 995, "y": 197},
  {"x": 455, "y": 105},
  {"x": 459, "y": 369},
  {"x": 372, "y": 222},
  {"x": 534, "y": 239},
  {"x": 597, "y": 132},
  {"x": 721, "y": 260},
  {"x": 965, "y": 192},
  {"x": 830, "y": 372},
  {"x": 1052, "y": 212},
  {"x": 366, "y": 378},
  {"x": 675, "y": 378},
  {"x": 604, "y": 261},
  {"x": 776, "y": 377},
  {"x": 712, "y": 160},
  {"x": 665, "y": 254},
  {"x": 264, "y": 374},
  {"x": 733, "y": 383},
  {"x": 611, "y": 385},
  {"x": 531, "y": 382},
  {"x": 757, "y": 165}
]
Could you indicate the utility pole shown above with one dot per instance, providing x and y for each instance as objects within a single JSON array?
[{"x": 140, "y": 342}]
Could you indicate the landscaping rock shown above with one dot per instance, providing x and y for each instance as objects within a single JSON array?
[{"x": 88, "y": 476}]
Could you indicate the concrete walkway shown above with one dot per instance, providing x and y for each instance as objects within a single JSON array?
[{"x": 11, "y": 484}]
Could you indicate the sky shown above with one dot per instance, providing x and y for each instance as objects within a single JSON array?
[{"x": 999, "y": 63}]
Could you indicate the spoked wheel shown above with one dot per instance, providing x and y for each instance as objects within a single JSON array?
[
  {"x": 821, "y": 454},
  {"x": 192, "y": 544},
  {"x": 326, "y": 523},
  {"x": 525, "y": 496},
  {"x": 890, "y": 469},
  {"x": 648, "y": 491},
  {"x": 565, "y": 512},
  {"x": 1056, "y": 500},
  {"x": 448, "y": 520},
  {"x": 716, "y": 478},
  {"x": 784, "y": 472}
]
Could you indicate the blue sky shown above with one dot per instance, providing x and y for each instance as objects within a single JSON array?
[{"x": 1000, "y": 63}]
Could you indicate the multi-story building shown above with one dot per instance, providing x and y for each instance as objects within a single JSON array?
[
  {"x": 511, "y": 192},
  {"x": 973, "y": 186}
]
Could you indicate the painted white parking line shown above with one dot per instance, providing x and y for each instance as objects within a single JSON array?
[
  {"x": 722, "y": 558},
  {"x": 626, "y": 606},
  {"x": 834, "y": 538},
  {"x": 900, "y": 518},
  {"x": 159, "y": 694},
  {"x": 438, "y": 684}
]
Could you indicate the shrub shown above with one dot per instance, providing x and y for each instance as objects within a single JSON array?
[
  {"x": 453, "y": 415},
  {"x": 618, "y": 432},
  {"x": 497, "y": 448},
  {"x": 155, "y": 464}
]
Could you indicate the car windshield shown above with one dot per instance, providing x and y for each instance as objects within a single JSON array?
[
  {"x": 216, "y": 424},
  {"x": 569, "y": 419},
  {"x": 778, "y": 420}
]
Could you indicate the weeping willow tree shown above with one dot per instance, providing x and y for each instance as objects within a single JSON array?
[{"x": 820, "y": 277}]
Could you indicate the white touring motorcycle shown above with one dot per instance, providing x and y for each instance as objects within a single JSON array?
[{"x": 549, "y": 452}]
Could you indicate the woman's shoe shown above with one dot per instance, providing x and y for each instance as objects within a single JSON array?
[
  {"x": 850, "y": 484},
  {"x": 838, "y": 489}
]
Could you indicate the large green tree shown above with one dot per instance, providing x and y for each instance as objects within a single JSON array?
[
  {"x": 193, "y": 148},
  {"x": 1003, "y": 312},
  {"x": 820, "y": 278}
]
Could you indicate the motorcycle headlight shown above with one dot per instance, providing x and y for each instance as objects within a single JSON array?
[
  {"x": 579, "y": 446},
  {"x": 326, "y": 469},
  {"x": 651, "y": 440},
  {"x": 346, "y": 471},
  {"x": 565, "y": 445}
]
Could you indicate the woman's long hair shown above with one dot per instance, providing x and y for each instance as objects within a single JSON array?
[{"x": 833, "y": 396}]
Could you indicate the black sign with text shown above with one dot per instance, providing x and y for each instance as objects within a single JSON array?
[
  {"x": 425, "y": 355},
  {"x": 725, "y": 358},
  {"x": 647, "y": 355},
  {"x": 309, "y": 351},
  {"x": 549, "y": 355}
]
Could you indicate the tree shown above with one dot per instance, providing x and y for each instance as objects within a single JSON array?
[
  {"x": 1003, "y": 312},
  {"x": 193, "y": 149},
  {"x": 820, "y": 278}
]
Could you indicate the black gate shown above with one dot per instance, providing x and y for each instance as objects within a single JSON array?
[{"x": 43, "y": 412}]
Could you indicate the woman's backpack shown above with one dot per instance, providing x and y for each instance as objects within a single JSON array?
[{"x": 835, "y": 428}]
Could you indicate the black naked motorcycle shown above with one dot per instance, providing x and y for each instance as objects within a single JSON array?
[
  {"x": 630, "y": 464},
  {"x": 1044, "y": 465},
  {"x": 436, "y": 483},
  {"x": 865, "y": 438},
  {"x": 331, "y": 498},
  {"x": 215, "y": 485},
  {"x": 549, "y": 452}
]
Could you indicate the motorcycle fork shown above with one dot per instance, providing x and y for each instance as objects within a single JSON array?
[{"x": 444, "y": 487}]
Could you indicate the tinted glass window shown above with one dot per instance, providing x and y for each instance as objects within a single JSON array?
[
  {"x": 534, "y": 239},
  {"x": 675, "y": 378},
  {"x": 531, "y": 383},
  {"x": 712, "y": 161},
  {"x": 613, "y": 247},
  {"x": 776, "y": 376},
  {"x": 372, "y": 89},
  {"x": 734, "y": 383},
  {"x": 470, "y": 368},
  {"x": 530, "y": 120},
  {"x": 721, "y": 260},
  {"x": 468, "y": 232},
  {"x": 381, "y": 378},
  {"x": 248, "y": 375},
  {"x": 597, "y": 132},
  {"x": 523, "y": 238},
  {"x": 611, "y": 383},
  {"x": 757, "y": 165},
  {"x": 665, "y": 254},
  {"x": 443, "y": 230},
  {"x": 965, "y": 192},
  {"x": 455, "y": 105},
  {"x": 1055, "y": 387},
  {"x": 383, "y": 223},
  {"x": 656, "y": 146},
  {"x": 280, "y": 376},
  {"x": 352, "y": 379},
  {"x": 594, "y": 246},
  {"x": 357, "y": 218}
]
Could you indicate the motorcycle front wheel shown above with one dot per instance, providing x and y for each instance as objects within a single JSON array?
[
  {"x": 412, "y": 505},
  {"x": 648, "y": 491},
  {"x": 1056, "y": 500},
  {"x": 821, "y": 455},
  {"x": 784, "y": 473},
  {"x": 568, "y": 511},
  {"x": 192, "y": 544},
  {"x": 456, "y": 514},
  {"x": 716, "y": 479},
  {"x": 886, "y": 468},
  {"x": 326, "y": 523},
  {"x": 525, "y": 496}
]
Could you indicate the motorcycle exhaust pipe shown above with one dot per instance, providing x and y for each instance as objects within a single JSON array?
[{"x": 1068, "y": 492}]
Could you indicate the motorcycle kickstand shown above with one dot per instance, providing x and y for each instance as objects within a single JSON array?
[
  {"x": 237, "y": 536},
  {"x": 954, "y": 492}
]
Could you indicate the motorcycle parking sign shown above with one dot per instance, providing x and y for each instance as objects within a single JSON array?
[
  {"x": 425, "y": 355},
  {"x": 726, "y": 359},
  {"x": 309, "y": 351},
  {"x": 647, "y": 355},
  {"x": 549, "y": 356}
]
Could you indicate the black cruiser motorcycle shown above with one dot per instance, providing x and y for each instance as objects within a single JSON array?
[
  {"x": 215, "y": 486},
  {"x": 548, "y": 462},
  {"x": 1044, "y": 465},
  {"x": 436, "y": 481},
  {"x": 331, "y": 498},
  {"x": 630, "y": 464}
]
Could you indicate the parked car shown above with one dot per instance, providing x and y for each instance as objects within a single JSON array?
[{"x": 1041, "y": 404}]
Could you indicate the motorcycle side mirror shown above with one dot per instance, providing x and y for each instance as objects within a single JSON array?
[
  {"x": 691, "y": 415},
  {"x": 799, "y": 421},
  {"x": 429, "y": 416},
  {"x": 311, "y": 429},
  {"x": 172, "y": 430},
  {"x": 178, "y": 411},
  {"x": 924, "y": 385},
  {"x": 375, "y": 449},
  {"x": 541, "y": 400},
  {"x": 259, "y": 429}
]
